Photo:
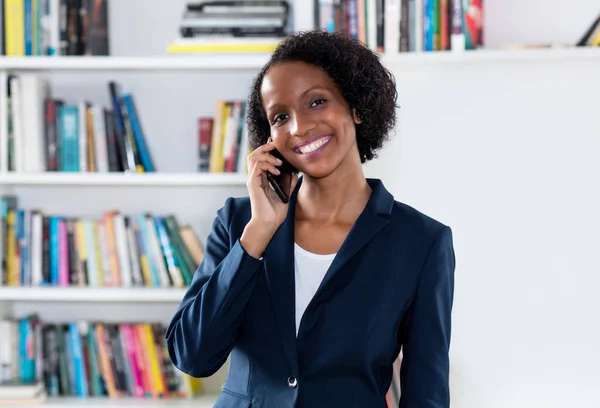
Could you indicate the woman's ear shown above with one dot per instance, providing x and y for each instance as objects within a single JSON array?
[{"x": 355, "y": 117}]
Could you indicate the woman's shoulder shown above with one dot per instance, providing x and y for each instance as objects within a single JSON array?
[
  {"x": 419, "y": 224},
  {"x": 235, "y": 210}
]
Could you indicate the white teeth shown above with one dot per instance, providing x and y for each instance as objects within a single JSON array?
[{"x": 313, "y": 146}]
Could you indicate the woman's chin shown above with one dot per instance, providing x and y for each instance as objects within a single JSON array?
[{"x": 317, "y": 171}]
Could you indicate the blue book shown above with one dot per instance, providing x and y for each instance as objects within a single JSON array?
[
  {"x": 79, "y": 374},
  {"x": 54, "y": 250},
  {"x": 28, "y": 27},
  {"x": 138, "y": 133},
  {"x": 68, "y": 122},
  {"x": 147, "y": 249}
]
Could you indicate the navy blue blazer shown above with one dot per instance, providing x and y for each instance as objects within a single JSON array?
[{"x": 391, "y": 285}]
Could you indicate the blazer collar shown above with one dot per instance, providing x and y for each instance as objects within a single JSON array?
[{"x": 279, "y": 261}]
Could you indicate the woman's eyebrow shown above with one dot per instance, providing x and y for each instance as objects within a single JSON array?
[{"x": 312, "y": 88}]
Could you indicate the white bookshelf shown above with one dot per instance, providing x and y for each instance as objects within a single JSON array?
[
  {"x": 483, "y": 115},
  {"x": 256, "y": 61},
  {"x": 200, "y": 402},
  {"x": 86, "y": 294},
  {"x": 155, "y": 63},
  {"x": 123, "y": 179}
]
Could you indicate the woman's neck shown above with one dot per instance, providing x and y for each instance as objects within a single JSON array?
[{"x": 339, "y": 197}]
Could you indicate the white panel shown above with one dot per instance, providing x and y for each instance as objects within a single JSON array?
[{"x": 507, "y": 155}]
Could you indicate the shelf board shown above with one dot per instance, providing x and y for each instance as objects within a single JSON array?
[
  {"x": 493, "y": 55},
  {"x": 207, "y": 401},
  {"x": 87, "y": 294},
  {"x": 124, "y": 179},
  {"x": 149, "y": 63},
  {"x": 256, "y": 61}
]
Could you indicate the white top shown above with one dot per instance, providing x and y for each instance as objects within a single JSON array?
[{"x": 310, "y": 269}]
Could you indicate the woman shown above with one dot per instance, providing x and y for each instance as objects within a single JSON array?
[{"x": 314, "y": 299}]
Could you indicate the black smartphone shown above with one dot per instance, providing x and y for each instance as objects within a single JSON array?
[{"x": 281, "y": 183}]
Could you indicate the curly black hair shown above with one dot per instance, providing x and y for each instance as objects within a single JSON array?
[{"x": 365, "y": 84}]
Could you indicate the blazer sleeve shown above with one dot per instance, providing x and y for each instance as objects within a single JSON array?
[
  {"x": 201, "y": 334},
  {"x": 424, "y": 373}
]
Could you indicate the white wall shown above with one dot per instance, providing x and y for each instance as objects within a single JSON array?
[{"x": 507, "y": 155}]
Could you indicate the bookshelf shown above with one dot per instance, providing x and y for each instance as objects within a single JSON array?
[
  {"x": 87, "y": 294},
  {"x": 122, "y": 179},
  {"x": 189, "y": 85},
  {"x": 199, "y": 402},
  {"x": 142, "y": 63},
  {"x": 254, "y": 62}
]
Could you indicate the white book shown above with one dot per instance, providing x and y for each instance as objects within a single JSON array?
[
  {"x": 122, "y": 251},
  {"x": 34, "y": 91},
  {"x": 136, "y": 272},
  {"x": 6, "y": 350},
  {"x": 100, "y": 139},
  {"x": 53, "y": 22},
  {"x": 4, "y": 123},
  {"x": 418, "y": 32},
  {"x": 17, "y": 124},
  {"x": 391, "y": 26},
  {"x": 372, "y": 24}
]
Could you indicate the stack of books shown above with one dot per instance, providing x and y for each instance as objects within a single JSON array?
[
  {"x": 42, "y": 359},
  {"x": 231, "y": 26},
  {"x": 111, "y": 249},
  {"x": 47, "y": 133},
  {"x": 223, "y": 139},
  {"x": 392, "y": 26},
  {"x": 54, "y": 27}
]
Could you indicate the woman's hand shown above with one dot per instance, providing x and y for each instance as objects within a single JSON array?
[{"x": 268, "y": 211}]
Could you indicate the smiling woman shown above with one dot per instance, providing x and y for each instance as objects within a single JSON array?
[
  {"x": 354, "y": 71},
  {"x": 314, "y": 297}
]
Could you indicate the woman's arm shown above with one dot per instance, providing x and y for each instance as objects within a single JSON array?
[
  {"x": 425, "y": 370},
  {"x": 201, "y": 334}
]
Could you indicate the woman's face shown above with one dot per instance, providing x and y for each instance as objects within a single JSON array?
[{"x": 311, "y": 123}]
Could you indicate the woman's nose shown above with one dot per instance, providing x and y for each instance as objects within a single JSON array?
[{"x": 301, "y": 124}]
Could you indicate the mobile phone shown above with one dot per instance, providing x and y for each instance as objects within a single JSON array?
[{"x": 281, "y": 183}]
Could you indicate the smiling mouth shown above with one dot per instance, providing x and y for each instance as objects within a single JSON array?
[{"x": 311, "y": 147}]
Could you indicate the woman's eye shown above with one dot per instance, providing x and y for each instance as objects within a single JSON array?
[
  {"x": 317, "y": 102},
  {"x": 279, "y": 118}
]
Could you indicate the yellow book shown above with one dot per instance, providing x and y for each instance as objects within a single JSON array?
[
  {"x": 98, "y": 252},
  {"x": 82, "y": 250},
  {"x": 14, "y": 27},
  {"x": 158, "y": 388},
  {"x": 111, "y": 245},
  {"x": 224, "y": 44},
  {"x": 216, "y": 143},
  {"x": 11, "y": 244}
]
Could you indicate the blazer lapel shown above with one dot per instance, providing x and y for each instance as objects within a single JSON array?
[
  {"x": 374, "y": 217},
  {"x": 279, "y": 270}
]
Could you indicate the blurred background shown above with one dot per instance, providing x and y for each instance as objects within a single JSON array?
[{"x": 121, "y": 134}]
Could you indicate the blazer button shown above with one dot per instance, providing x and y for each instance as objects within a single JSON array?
[{"x": 292, "y": 382}]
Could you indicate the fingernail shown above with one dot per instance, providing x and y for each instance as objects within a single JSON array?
[{"x": 279, "y": 161}]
